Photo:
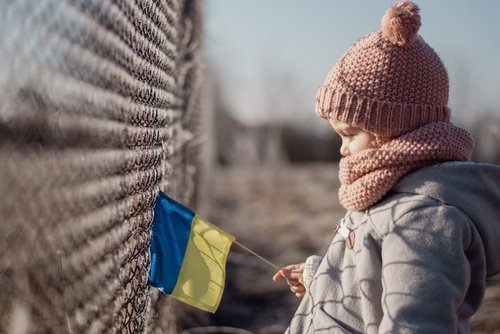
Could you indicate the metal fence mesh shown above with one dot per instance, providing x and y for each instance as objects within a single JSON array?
[{"x": 96, "y": 100}]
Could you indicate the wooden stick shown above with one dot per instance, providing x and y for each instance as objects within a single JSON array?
[{"x": 257, "y": 255}]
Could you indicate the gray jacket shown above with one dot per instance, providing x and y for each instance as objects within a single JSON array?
[{"x": 420, "y": 257}]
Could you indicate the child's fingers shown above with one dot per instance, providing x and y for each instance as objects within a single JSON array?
[
  {"x": 294, "y": 279},
  {"x": 293, "y": 276},
  {"x": 297, "y": 288},
  {"x": 300, "y": 294},
  {"x": 292, "y": 273},
  {"x": 290, "y": 279},
  {"x": 293, "y": 282},
  {"x": 278, "y": 276}
]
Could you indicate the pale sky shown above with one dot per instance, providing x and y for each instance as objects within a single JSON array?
[{"x": 270, "y": 55}]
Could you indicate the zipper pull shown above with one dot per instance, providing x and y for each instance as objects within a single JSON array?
[{"x": 346, "y": 233}]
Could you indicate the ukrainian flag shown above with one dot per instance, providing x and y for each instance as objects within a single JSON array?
[{"x": 188, "y": 255}]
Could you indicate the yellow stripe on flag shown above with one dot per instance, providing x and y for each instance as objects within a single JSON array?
[{"x": 203, "y": 272}]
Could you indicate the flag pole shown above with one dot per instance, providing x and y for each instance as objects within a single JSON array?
[{"x": 257, "y": 255}]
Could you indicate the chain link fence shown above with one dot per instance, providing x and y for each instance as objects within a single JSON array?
[{"x": 97, "y": 98}]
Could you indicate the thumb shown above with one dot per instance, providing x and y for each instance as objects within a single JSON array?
[
  {"x": 278, "y": 276},
  {"x": 283, "y": 273}
]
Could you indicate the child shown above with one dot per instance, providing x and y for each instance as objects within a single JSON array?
[{"x": 422, "y": 231}]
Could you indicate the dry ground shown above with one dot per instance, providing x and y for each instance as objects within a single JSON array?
[{"x": 284, "y": 214}]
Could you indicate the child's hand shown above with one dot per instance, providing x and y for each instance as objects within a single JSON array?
[{"x": 293, "y": 275}]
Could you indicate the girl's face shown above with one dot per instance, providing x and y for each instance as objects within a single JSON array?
[{"x": 354, "y": 139}]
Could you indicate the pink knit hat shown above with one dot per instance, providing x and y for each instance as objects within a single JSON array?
[{"x": 389, "y": 82}]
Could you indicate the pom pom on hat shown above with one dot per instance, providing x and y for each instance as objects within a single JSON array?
[{"x": 400, "y": 23}]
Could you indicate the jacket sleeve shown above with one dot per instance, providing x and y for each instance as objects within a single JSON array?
[
  {"x": 310, "y": 267},
  {"x": 425, "y": 271}
]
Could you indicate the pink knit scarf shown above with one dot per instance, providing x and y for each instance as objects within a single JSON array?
[{"x": 367, "y": 176}]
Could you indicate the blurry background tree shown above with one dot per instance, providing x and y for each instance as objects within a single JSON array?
[{"x": 486, "y": 133}]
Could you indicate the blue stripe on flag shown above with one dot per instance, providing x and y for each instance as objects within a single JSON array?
[{"x": 171, "y": 229}]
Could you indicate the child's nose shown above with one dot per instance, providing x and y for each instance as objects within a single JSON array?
[{"x": 344, "y": 150}]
